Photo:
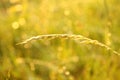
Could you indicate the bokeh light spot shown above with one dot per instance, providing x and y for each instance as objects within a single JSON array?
[
  {"x": 22, "y": 21},
  {"x": 66, "y": 12},
  {"x": 19, "y": 60},
  {"x": 15, "y": 25},
  {"x": 67, "y": 73},
  {"x": 18, "y": 7}
]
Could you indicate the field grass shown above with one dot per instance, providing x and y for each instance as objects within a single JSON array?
[{"x": 59, "y": 40}]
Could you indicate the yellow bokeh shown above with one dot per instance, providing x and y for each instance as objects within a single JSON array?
[{"x": 15, "y": 25}]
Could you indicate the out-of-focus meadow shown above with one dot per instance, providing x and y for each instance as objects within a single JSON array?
[{"x": 59, "y": 59}]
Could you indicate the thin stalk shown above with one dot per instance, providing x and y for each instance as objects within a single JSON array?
[
  {"x": 108, "y": 24},
  {"x": 79, "y": 38}
]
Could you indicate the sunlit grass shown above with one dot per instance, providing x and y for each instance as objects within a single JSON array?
[{"x": 62, "y": 40}]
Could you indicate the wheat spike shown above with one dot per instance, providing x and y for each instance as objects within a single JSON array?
[{"x": 80, "y": 38}]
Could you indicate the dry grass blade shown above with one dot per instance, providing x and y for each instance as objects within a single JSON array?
[{"x": 80, "y": 38}]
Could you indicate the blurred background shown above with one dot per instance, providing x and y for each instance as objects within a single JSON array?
[{"x": 59, "y": 59}]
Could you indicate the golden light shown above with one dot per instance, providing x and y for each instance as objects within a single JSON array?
[
  {"x": 22, "y": 21},
  {"x": 14, "y": 1},
  {"x": 67, "y": 73},
  {"x": 15, "y": 8},
  {"x": 15, "y": 25},
  {"x": 66, "y": 12},
  {"x": 19, "y": 60},
  {"x": 18, "y": 7}
]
